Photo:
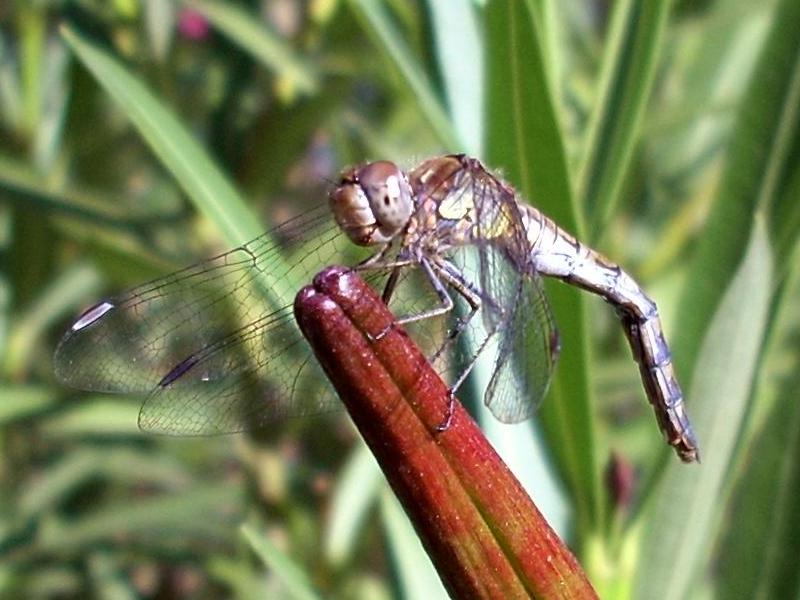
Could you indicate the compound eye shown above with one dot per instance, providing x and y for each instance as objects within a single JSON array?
[{"x": 388, "y": 193}]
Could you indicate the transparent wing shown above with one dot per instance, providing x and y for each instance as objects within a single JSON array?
[
  {"x": 215, "y": 344},
  {"x": 517, "y": 312},
  {"x": 522, "y": 338},
  {"x": 241, "y": 382},
  {"x": 527, "y": 351},
  {"x": 514, "y": 313}
]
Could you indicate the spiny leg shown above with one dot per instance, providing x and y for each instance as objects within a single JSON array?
[
  {"x": 374, "y": 260},
  {"x": 390, "y": 286},
  {"x": 453, "y": 277},
  {"x": 437, "y": 272},
  {"x": 446, "y": 302}
]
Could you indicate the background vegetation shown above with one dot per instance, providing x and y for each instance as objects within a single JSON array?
[{"x": 136, "y": 137}]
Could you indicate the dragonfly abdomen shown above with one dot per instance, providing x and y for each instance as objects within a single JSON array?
[
  {"x": 555, "y": 253},
  {"x": 652, "y": 354}
]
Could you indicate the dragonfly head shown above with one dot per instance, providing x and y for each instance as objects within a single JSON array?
[{"x": 372, "y": 203}]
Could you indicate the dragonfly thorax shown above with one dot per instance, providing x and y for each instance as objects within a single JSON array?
[{"x": 372, "y": 203}]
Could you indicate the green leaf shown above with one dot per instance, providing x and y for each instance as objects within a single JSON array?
[
  {"x": 11, "y": 92},
  {"x": 459, "y": 50},
  {"x": 356, "y": 490},
  {"x": 758, "y": 551},
  {"x": 416, "y": 576},
  {"x": 761, "y": 173},
  {"x": 99, "y": 415},
  {"x": 20, "y": 402},
  {"x": 108, "y": 577},
  {"x": 179, "y": 519},
  {"x": 290, "y": 574},
  {"x": 679, "y": 526},
  {"x": 524, "y": 139},
  {"x": 57, "y": 482},
  {"x": 32, "y": 30},
  {"x": 58, "y": 299},
  {"x": 628, "y": 70},
  {"x": 195, "y": 171},
  {"x": 251, "y": 34},
  {"x": 160, "y": 24},
  {"x": 391, "y": 41},
  {"x": 25, "y": 186},
  {"x": 524, "y": 135}
]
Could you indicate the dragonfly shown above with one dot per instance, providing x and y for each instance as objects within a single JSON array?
[{"x": 458, "y": 254}]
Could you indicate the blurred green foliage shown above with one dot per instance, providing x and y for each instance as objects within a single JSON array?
[{"x": 139, "y": 136}]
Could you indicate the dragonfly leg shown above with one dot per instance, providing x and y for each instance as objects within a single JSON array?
[
  {"x": 446, "y": 302},
  {"x": 439, "y": 273},
  {"x": 445, "y": 425},
  {"x": 451, "y": 410},
  {"x": 450, "y": 274},
  {"x": 453, "y": 277},
  {"x": 375, "y": 260},
  {"x": 435, "y": 273},
  {"x": 390, "y": 286}
]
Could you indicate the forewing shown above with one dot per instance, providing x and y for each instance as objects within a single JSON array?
[
  {"x": 244, "y": 381},
  {"x": 212, "y": 343}
]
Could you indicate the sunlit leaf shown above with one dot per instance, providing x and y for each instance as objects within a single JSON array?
[
  {"x": 631, "y": 51},
  {"x": 679, "y": 527}
]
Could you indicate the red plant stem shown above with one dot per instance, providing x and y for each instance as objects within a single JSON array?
[{"x": 484, "y": 534}]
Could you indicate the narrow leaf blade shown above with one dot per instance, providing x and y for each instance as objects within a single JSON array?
[
  {"x": 192, "y": 167},
  {"x": 679, "y": 525}
]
